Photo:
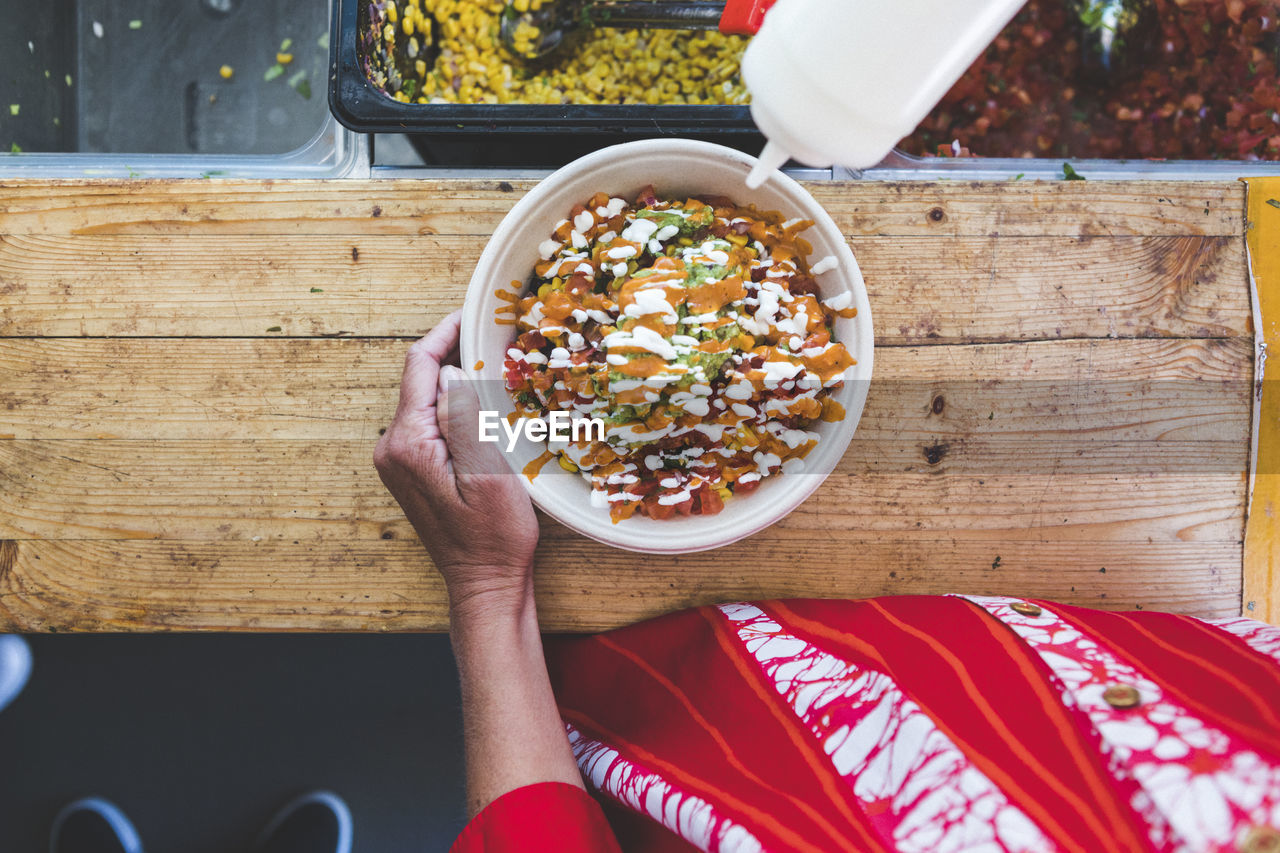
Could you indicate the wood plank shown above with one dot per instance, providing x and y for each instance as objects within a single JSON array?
[
  {"x": 390, "y": 585},
  {"x": 417, "y": 207},
  {"x": 974, "y": 289},
  {"x": 328, "y": 491},
  {"x": 1261, "y": 573},
  {"x": 1102, "y": 391},
  {"x": 198, "y": 388},
  {"x": 923, "y": 289}
]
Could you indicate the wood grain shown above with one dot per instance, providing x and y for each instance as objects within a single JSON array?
[
  {"x": 1063, "y": 387},
  {"x": 96, "y": 585},
  {"x": 328, "y": 491},
  {"x": 418, "y": 207},
  {"x": 923, "y": 290},
  {"x": 191, "y": 388}
]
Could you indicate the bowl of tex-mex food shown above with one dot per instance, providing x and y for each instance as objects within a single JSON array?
[{"x": 670, "y": 361}]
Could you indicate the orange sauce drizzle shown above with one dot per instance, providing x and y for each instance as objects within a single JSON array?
[
  {"x": 535, "y": 467},
  {"x": 831, "y": 362},
  {"x": 640, "y": 368},
  {"x": 713, "y": 296}
]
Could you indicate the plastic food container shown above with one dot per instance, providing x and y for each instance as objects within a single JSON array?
[
  {"x": 677, "y": 168},
  {"x": 359, "y": 105}
]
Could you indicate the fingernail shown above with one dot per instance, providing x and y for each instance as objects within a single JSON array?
[{"x": 450, "y": 377}]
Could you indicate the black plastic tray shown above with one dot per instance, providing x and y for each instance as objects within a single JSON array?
[{"x": 360, "y": 106}]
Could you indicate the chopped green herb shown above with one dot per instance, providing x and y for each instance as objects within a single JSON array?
[
  {"x": 46, "y": 74},
  {"x": 14, "y": 148},
  {"x": 409, "y": 88},
  {"x": 1091, "y": 15},
  {"x": 297, "y": 78},
  {"x": 317, "y": 290},
  {"x": 68, "y": 79},
  {"x": 1070, "y": 174},
  {"x": 285, "y": 45},
  {"x": 273, "y": 329},
  {"x": 135, "y": 24},
  {"x": 1018, "y": 176},
  {"x": 273, "y": 72},
  {"x": 57, "y": 122},
  {"x": 212, "y": 173},
  {"x": 1273, "y": 202},
  {"x": 323, "y": 42},
  {"x": 304, "y": 89},
  {"x": 13, "y": 109}
]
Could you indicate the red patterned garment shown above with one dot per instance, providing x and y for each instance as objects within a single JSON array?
[{"x": 929, "y": 724}]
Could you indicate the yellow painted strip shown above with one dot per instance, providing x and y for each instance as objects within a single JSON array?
[{"x": 1262, "y": 533}]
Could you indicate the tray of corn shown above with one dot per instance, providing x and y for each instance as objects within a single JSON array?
[{"x": 443, "y": 66}]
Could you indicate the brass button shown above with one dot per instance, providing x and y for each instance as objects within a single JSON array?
[
  {"x": 1026, "y": 608},
  {"x": 1122, "y": 696},
  {"x": 1261, "y": 839}
]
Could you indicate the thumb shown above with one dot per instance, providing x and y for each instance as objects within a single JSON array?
[{"x": 459, "y": 412}]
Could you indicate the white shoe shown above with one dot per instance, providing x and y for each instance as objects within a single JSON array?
[
  {"x": 15, "y": 667},
  {"x": 93, "y": 825},
  {"x": 316, "y": 822}
]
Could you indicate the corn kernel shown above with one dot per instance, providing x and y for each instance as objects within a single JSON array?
[
  {"x": 226, "y": 72},
  {"x": 421, "y": 68},
  {"x": 284, "y": 58},
  {"x": 606, "y": 66}
]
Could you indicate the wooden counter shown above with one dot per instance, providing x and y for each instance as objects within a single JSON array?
[{"x": 193, "y": 375}]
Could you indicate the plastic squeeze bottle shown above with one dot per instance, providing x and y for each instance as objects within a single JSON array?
[{"x": 841, "y": 81}]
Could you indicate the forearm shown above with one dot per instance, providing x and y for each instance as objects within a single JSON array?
[{"x": 513, "y": 733}]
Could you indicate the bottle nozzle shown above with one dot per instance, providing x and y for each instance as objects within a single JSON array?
[{"x": 771, "y": 159}]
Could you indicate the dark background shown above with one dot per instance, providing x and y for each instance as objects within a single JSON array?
[{"x": 200, "y": 738}]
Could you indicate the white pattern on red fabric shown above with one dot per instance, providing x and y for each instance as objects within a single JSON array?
[
  {"x": 1210, "y": 787},
  {"x": 641, "y": 789},
  {"x": 919, "y": 790},
  {"x": 1259, "y": 636}
]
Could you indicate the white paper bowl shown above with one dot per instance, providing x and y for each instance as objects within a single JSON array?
[{"x": 677, "y": 168}]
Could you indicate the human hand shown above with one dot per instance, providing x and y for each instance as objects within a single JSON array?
[{"x": 462, "y": 498}]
